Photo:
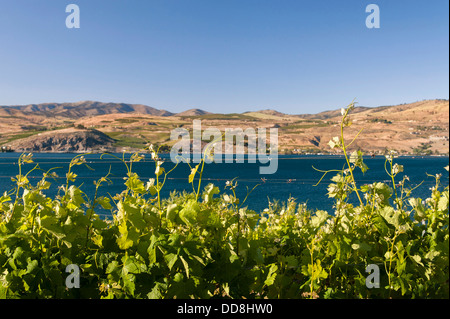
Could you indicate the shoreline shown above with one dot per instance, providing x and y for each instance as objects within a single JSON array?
[
  {"x": 167, "y": 153},
  {"x": 279, "y": 155}
]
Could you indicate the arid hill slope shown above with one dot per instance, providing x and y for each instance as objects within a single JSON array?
[
  {"x": 66, "y": 140},
  {"x": 407, "y": 128}
]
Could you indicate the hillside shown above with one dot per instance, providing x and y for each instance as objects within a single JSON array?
[
  {"x": 332, "y": 114},
  {"x": 420, "y": 127},
  {"x": 193, "y": 112},
  {"x": 267, "y": 114},
  {"x": 79, "y": 109},
  {"x": 66, "y": 140}
]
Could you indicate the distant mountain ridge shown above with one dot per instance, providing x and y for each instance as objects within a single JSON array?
[
  {"x": 193, "y": 112},
  {"x": 333, "y": 113},
  {"x": 411, "y": 111},
  {"x": 81, "y": 109}
]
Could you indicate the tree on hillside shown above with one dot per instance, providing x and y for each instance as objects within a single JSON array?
[{"x": 423, "y": 149}]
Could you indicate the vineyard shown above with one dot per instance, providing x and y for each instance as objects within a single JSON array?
[{"x": 208, "y": 244}]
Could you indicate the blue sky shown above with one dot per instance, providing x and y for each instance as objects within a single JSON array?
[{"x": 225, "y": 55}]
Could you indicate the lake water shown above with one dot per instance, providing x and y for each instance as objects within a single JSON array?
[{"x": 295, "y": 176}]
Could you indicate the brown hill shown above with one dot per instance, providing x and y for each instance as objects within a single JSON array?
[
  {"x": 66, "y": 140},
  {"x": 417, "y": 111},
  {"x": 79, "y": 109},
  {"x": 193, "y": 112},
  {"x": 272, "y": 112},
  {"x": 331, "y": 114}
]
